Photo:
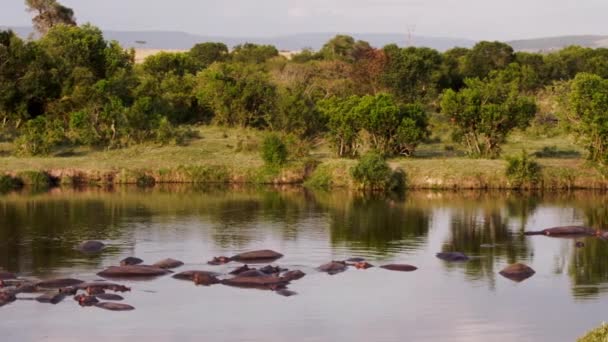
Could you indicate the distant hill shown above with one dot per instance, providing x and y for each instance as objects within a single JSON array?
[
  {"x": 170, "y": 40},
  {"x": 557, "y": 43}
]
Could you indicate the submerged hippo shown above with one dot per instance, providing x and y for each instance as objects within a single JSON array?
[
  {"x": 272, "y": 270},
  {"x": 517, "y": 272},
  {"x": 240, "y": 270},
  {"x": 130, "y": 261},
  {"x": 362, "y": 265},
  {"x": 333, "y": 267},
  {"x": 95, "y": 290},
  {"x": 58, "y": 283},
  {"x": 51, "y": 297},
  {"x": 189, "y": 275},
  {"x": 109, "y": 296},
  {"x": 84, "y": 300},
  {"x": 103, "y": 286},
  {"x": 565, "y": 231},
  {"x": 219, "y": 260},
  {"x": 399, "y": 267},
  {"x": 452, "y": 256},
  {"x": 135, "y": 271},
  {"x": 114, "y": 306},
  {"x": 286, "y": 292},
  {"x": 579, "y": 244},
  {"x": 257, "y": 256},
  {"x": 257, "y": 281},
  {"x": 204, "y": 279},
  {"x": 91, "y": 247},
  {"x": 293, "y": 275},
  {"x": 356, "y": 259},
  {"x": 168, "y": 263},
  {"x": 7, "y": 297}
]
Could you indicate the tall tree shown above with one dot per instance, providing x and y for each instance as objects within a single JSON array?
[{"x": 49, "y": 13}]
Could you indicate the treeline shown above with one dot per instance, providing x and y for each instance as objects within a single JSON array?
[{"x": 71, "y": 86}]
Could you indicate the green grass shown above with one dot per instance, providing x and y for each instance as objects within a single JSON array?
[{"x": 222, "y": 155}]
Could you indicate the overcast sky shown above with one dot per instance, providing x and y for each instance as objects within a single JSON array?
[{"x": 473, "y": 19}]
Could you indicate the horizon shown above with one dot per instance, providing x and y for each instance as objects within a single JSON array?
[{"x": 491, "y": 20}]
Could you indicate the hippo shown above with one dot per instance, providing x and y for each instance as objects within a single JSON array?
[
  {"x": 168, "y": 263},
  {"x": 399, "y": 267},
  {"x": 240, "y": 270},
  {"x": 134, "y": 271},
  {"x": 51, "y": 297},
  {"x": 7, "y": 297},
  {"x": 579, "y": 244},
  {"x": 517, "y": 272},
  {"x": 272, "y": 270},
  {"x": 293, "y": 275},
  {"x": 114, "y": 306},
  {"x": 69, "y": 290},
  {"x": 204, "y": 279},
  {"x": 362, "y": 265},
  {"x": 452, "y": 256},
  {"x": 260, "y": 282},
  {"x": 7, "y": 275},
  {"x": 91, "y": 247},
  {"x": 286, "y": 292},
  {"x": 333, "y": 267},
  {"x": 355, "y": 259},
  {"x": 58, "y": 283},
  {"x": 252, "y": 273},
  {"x": 219, "y": 260},
  {"x": 84, "y": 300},
  {"x": 567, "y": 231},
  {"x": 130, "y": 261},
  {"x": 189, "y": 275},
  {"x": 260, "y": 256},
  {"x": 109, "y": 296},
  {"x": 103, "y": 286},
  {"x": 95, "y": 290}
]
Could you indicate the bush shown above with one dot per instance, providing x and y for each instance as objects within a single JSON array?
[
  {"x": 39, "y": 136},
  {"x": 8, "y": 183},
  {"x": 596, "y": 335},
  {"x": 274, "y": 151},
  {"x": 373, "y": 173},
  {"x": 523, "y": 171}
]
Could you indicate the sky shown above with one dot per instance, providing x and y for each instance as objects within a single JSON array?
[{"x": 472, "y": 19}]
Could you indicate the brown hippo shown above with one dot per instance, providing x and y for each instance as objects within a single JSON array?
[
  {"x": 114, "y": 306},
  {"x": 58, "y": 283},
  {"x": 517, "y": 272},
  {"x": 293, "y": 275},
  {"x": 241, "y": 269},
  {"x": 94, "y": 290},
  {"x": 219, "y": 260},
  {"x": 204, "y": 279},
  {"x": 260, "y": 256},
  {"x": 272, "y": 270},
  {"x": 362, "y": 265},
  {"x": 399, "y": 267},
  {"x": 69, "y": 290},
  {"x": 103, "y": 286},
  {"x": 189, "y": 275},
  {"x": 260, "y": 282},
  {"x": 91, "y": 247},
  {"x": 130, "y": 261},
  {"x": 7, "y": 275},
  {"x": 109, "y": 296},
  {"x": 168, "y": 264},
  {"x": 134, "y": 271},
  {"x": 452, "y": 256},
  {"x": 51, "y": 297},
  {"x": 84, "y": 300},
  {"x": 579, "y": 244},
  {"x": 568, "y": 231},
  {"x": 333, "y": 267}
]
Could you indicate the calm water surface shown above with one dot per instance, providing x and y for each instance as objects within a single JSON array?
[{"x": 439, "y": 302}]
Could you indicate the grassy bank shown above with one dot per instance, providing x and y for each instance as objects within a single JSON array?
[{"x": 221, "y": 155}]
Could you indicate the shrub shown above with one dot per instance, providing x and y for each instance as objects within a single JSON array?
[
  {"x": 39, "y": 136},
  {"x": 372, "y": 172},
  {"x": 596, "y": 335},
  {"x": 523, "y": 171},
  {"x": 274, "y": 151},
  {"x": 321, "y": 178},
  {"x": 8, "y": 183}
]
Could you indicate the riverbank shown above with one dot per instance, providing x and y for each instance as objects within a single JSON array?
[{"x": 221, "y": 155}]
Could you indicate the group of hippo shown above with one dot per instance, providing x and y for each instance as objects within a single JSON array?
[{"x": 273, "y": 278}]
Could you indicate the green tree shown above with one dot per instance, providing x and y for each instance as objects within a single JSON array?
[
  {"x": 486, "y": 57},
  {"x": 205, "y": 54},
  {"x": 253, "y": 53},
  {"x": 393, "y": 129},
  {"x": 345, "y": 48},
  {"x": 49, "y": 13},
  {"x": 343, "y": 123},
  {"x": 588, "y": 114},
  {"x": 485, "y": 111}
]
